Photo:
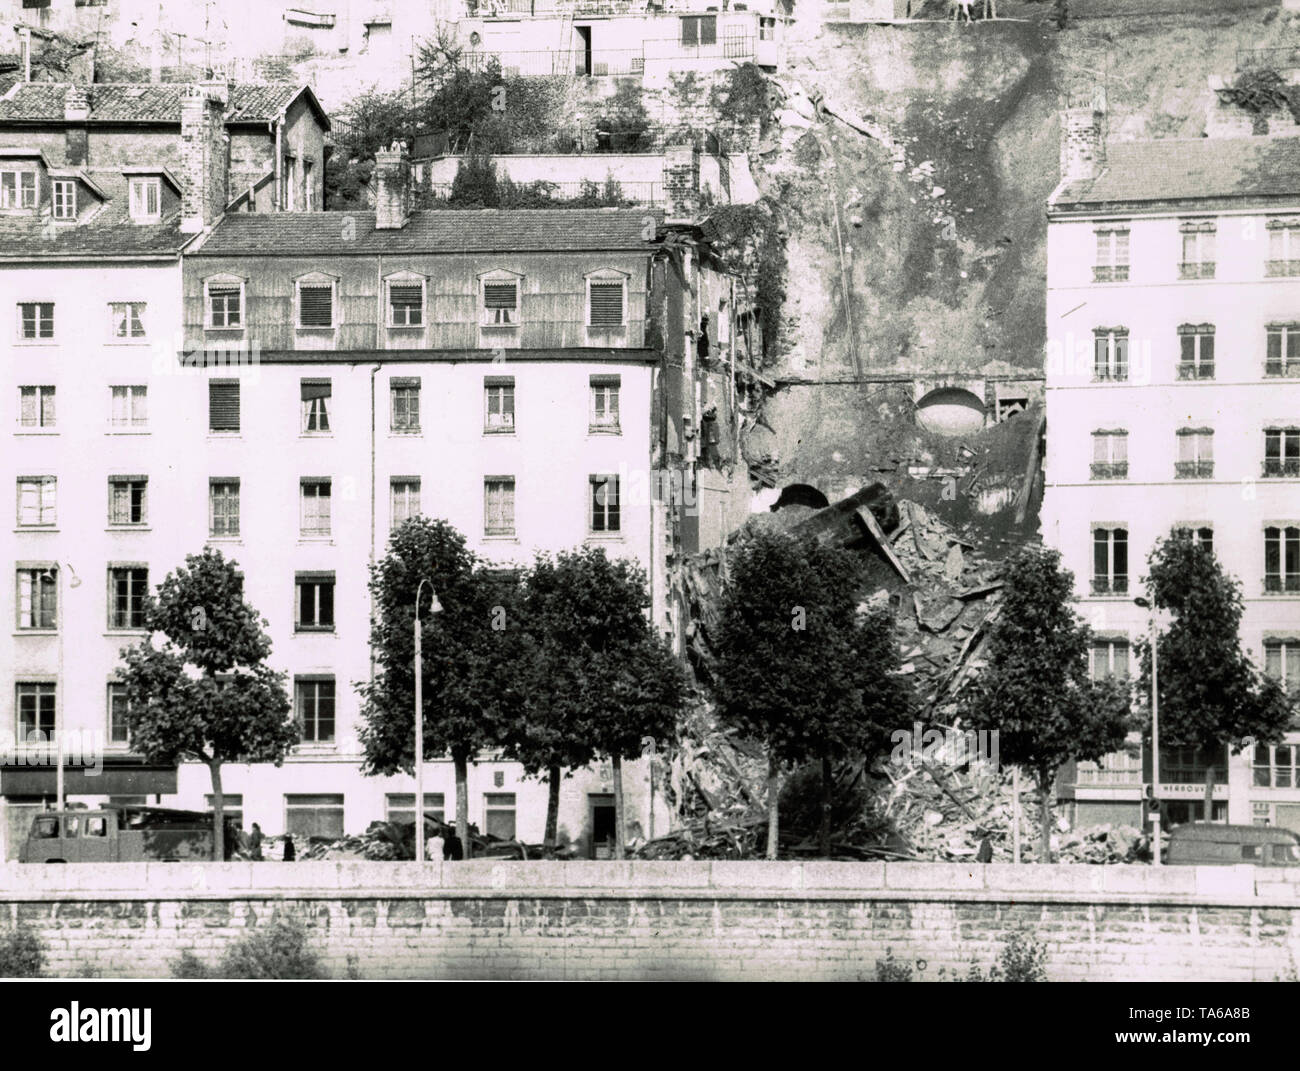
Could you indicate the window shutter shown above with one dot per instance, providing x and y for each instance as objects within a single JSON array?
[
  {"x": 607, "y": 381},
  {"x": 500, "y": 295},
  {"x": 316, "y": 306},
  {"x": 709, "y": 30},
  {"x": 315, "y": 388},
  {"x": 223, "y": 405},
  {"x": 499, "y": 381},
  {"x": 405, "y": 382},
  {"x": 606, "y": 304}
]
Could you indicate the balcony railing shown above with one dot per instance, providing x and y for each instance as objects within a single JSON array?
[
  {"x": 1191, "y": 370},
  {"x": 1110, "y": 273},
  {"x": 1275, "y": 269},
  {"x": 1196, "y": 270},
  {"x": 1193, "y": 470},
  {"x": 603, "y": 62},
  {"x": 1280, "y": 469},
  {"x": 1117, "y": 374},
  {"x": 1110, "y": 470},
  {"x": 1110, "y": 585},
  {"x": 1123, "y": 775}
]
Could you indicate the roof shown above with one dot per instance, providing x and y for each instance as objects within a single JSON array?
[
  {"x": 150, "y": 102},
  {"x": 1198, "y": 171},
  {"x": 533, "y": 230}
]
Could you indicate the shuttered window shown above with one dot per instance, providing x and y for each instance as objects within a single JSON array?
[
  {"x": 499, "y": 506},
  {"x": 225, "y": 305},
  {"x": 38, "y": 592},
  {"x": 500, "y": 303},
  {"x": 36, "y": 407},
  {"x": 606, "y": 305},
  {"x": 406, "y": 403},
  {"x": 223, "y": 507},
  {"x": 405, "y": 304},
  {"x": 36, "y": 500},
  {"x": 128, "y": 499},
  {"x": 315, "y": 516},
  {"x": 223, "y": 405},
  {"x": 499, "y": 393},
  {"x": 316, "y": 306},
  {"x": 604, "y": 402},
  {"x": 316, "y": 405}
]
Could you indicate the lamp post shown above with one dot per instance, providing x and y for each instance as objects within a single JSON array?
[
  {"x": 1153, "y": 615},
  {"x": 56, "y": 575},
  {"x": 435, "y": 607}
]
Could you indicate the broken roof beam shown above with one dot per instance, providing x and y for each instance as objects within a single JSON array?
[
  {"x": 882, "y": 542},
  {"x": 840, "y": 521}
]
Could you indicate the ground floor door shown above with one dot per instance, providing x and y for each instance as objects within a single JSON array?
[{"x": 601, "y": 823}]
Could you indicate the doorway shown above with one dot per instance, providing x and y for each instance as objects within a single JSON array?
[
  {"x": 600, "y": 806},
  {"x": 583, "y": 57}
]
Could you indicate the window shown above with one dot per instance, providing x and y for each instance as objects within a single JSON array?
[
  {"x": 316, "y": 305},
  {"x": 1281, "y": 558},
  {"x": 65, "y": 199},
  {"x": 128, "y": 499},
  {"x": 290, "y": 173},
  {"x": 499, "y": 814},
  {"x": 1198, "y": 250},
  {"x": 405, "y": 491},
  {"x": 1187, "y": 766},
  {"x": 223, "y": 507},
  {"x": 119, "y": 733},
  {"x": 1261, "y": 813},
  {"x": 17, "y": 189},
  {"x": 405, "y": 304},
  {"x": 1282, "y": 357},
  {"x": 36, "y": 500},
  {"x": 232, "y": 805},
  {"x": 223, "y": 405},
  {"x": 35, "y": 705},
  {"x": 499, "y": 403},
  {"x": 313, "y": 816},
  {"x": 38, "y": 597},
  {"x": 129, "y": 406},
  {"x": 36, "y": 407},
  {"x": 1282, "y": 451},
  {"x": 127, "y": 319},
  {"x": 604, "y": 403},
  {"x": 1277, "y": 766},
  {"x": 1195, "y": 454},
  {"x": 225, "y": 305},
  {"x": 499, "y": 506},
  {"x": 1109, "y": 659},
  {"x": 1110, "y": 354},
  {"x": 1202, "y": 536},
  {"x": 128, "y": 588},
  {"x": 315, "y": 405},
  {"x": 315, "y": 602},
  {"x": 406, "y": 404},
  {"x": 1282, "y": 663},
  {"x": 1116, "y": 768},
  {"x": 604, "y": 504},
  {"x": 145, "y": 197},
  {"x": 36, "y": 319},
  {"x": 605, "y": 304},
  {"x": 699, "y": 30},
  {"x": 766, "y": 29},
  {"x": 1196, "y": 351},
  {"x": 315, "y": 514},
  {"x": 314, "y": 702},
  {"x": 400, "y": 806},
  {"x": 500, "y": 303},
  {"x": 1112, "y": 256},
  {"x": 1109, "y": 455},
  {"x": 1283, "y": 247},
  {"x": 308, "y": 186},
  {"x": 1109, "y": 561}
]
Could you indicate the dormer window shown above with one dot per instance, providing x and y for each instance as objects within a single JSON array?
[
  {"x": 65, "y": 199},
  {"x": 17, "y": 189},
  {"x": 606, "y": 300},
  {"x": 500, "y": 299},
  {"x": 146, "y": 200},
  {"x": 316, "y": 304}
]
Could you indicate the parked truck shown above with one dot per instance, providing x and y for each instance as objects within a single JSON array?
[{"x": 123, "y": 834}]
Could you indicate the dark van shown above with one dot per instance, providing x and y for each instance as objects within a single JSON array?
[{"x": 1219, "y": 844}]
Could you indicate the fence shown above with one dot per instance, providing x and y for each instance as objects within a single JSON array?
[
  {"x": 648, "y": 194},
  {"x": 612, "y": 62}
]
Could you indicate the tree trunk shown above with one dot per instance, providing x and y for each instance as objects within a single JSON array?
[
  {"x": 462, "y": 804},
  {"x": 773, "y": 790},
  {"x": 1208, "y": 813},
  {"x": 552, "y": 805},
  {"x": 620, "y": 825},
  {"x": 218, "y": 814},
  {"x": 1045, "y": 789},
  {"x": 827, "y": 795}
]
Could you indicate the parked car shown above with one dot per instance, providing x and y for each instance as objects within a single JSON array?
[
  {"x": 121, "y": 835},
  {"x": 1219, "y": 844}
]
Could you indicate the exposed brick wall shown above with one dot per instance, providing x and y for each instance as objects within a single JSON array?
[{"x": 668, "y": 920}]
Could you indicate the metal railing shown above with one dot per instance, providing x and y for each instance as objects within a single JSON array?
[
  {"x": 635, "y": 193},
  {"x": 603, "y": 62}
]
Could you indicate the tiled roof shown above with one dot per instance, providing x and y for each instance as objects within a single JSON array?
[
  {"x": 1196, "y": 170},
  {"x": 131, "y": 102},
  {"x": 537, "y": 230}
]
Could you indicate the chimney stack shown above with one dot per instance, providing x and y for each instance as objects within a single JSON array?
[
  {"x": 393, "y": 194},
  {"x": 76, "y": 111},
  {"x": 1083, "y": 142},
  {"x": 682, "y": 181},
  {"x": 203, "y": 155}
]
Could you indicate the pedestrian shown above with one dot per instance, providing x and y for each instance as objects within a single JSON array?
[
  {"x": 435, "y": 847},
  {"x": 255, "y": 843},
  {"x": 290, "y": 852},
  {"x": 452, "y": 849}
]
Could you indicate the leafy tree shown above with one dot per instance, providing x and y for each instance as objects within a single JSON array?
[
  {"x": 799, "y": 668},
  {"x": 475, "y": 184},
  {"x": 1035, "y": 691},
  {"x": 1211, "y": 695},
  {"x": 206, "y": 694},
  {"x": 624, "y": 118},
  {"x": 470, "y": 684}
]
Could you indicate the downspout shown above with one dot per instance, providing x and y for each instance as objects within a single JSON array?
[
  {"x": 379, "y": 307},
  {"x": 279, "y": 177}
]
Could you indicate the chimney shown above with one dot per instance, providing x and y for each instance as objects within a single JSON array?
[
  {"x": 682, "y": 181},
  {"x": 203, "y": 155},
  {"x": 393, "y": 193},
  {"x": 1083, "y": 142},
  {"x": 76, "y": 111}
]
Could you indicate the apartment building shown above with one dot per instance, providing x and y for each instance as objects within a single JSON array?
[{"x": 1173, "y": 380}]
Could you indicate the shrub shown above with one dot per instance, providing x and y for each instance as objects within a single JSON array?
[
  {"x": 892, "y": 970},
  {"x": 475, "y": 183},
  {"x": 22, "y": 955},
  {"x": 1022, "y": 960},
  {"x": 280, "y": 950},
  {"x": 188, "y": 965}
]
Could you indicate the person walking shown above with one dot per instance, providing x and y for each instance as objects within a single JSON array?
[
  {"x": 290, "y": 852},
  {"x": 255, "y": 843}
]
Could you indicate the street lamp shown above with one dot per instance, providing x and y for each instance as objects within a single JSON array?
[
  {"x": 435, "y": 607},
  {"x": 56, "y": 575},
  {"x": 1154, "y": 616}
]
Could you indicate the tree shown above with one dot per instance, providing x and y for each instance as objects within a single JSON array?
[
  {"x": 799, "y": 668},
  {"x": 469, "y": 682},
  {"x": 206, "y": 694},
  {"x": 1211, "y": 696},
  {"x": 475, "y": 183},
  {"x": 1035, "y": 691}
]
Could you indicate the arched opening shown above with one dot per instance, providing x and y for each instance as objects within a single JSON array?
[
  {"x": 950, "y": 411},
  {"x": 801, "y": 494}
]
